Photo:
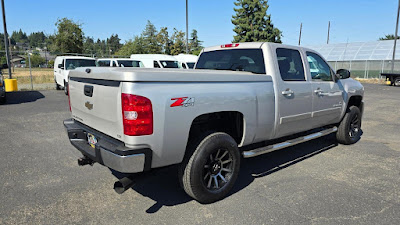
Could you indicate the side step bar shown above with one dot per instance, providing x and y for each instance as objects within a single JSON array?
[{"x": 271, "y": 148}]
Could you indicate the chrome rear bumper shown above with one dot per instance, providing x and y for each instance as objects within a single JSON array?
[{"x": 108, "y": 151}]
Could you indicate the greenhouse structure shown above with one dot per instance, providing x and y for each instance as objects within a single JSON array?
[{"x": 363, "y": 59}]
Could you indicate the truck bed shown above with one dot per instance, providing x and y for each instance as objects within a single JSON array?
[{"x": 167, "y": 75}]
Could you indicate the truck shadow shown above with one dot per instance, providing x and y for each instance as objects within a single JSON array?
[
  {"x": 19, "y": 97},
  {"x": 163, "y": 186}
]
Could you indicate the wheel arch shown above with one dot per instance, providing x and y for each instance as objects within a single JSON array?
[{"x": 230, "y": 122}]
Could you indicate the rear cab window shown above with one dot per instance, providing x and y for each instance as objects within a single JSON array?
[
  {"x": 290, "y": 64},
  {"x": 250, "y": 60}
]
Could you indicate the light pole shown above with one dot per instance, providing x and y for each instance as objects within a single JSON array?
[
  {"x": 395, "y": 37},
  {"x": 6, "y": 39},
  {"x": 187, "y": 29},
  {"x": 30, "y": 69}
]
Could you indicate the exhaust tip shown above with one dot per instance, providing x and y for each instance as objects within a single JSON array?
[{"x": 123, "y": 185}]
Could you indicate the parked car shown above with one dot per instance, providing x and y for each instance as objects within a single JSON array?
[
  {"x": 156, "y": 60},
  {"x": 118, "y": 62},
  {"x": 186, "y": 61},
  {"x": 241, "y": 100},
  {"x": 3, "y": 95},
  {"x": 64, "y": 64}
]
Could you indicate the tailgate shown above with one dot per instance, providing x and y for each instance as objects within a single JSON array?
[{"x": 96, "y": 103}]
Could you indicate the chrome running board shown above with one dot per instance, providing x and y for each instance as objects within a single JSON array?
[{"x": 271, "y": 148}]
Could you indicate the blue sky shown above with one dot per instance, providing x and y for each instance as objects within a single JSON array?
[{"x": 352, "y": 20}]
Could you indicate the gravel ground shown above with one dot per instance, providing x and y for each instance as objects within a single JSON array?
[{"x": 318, "y": 182}]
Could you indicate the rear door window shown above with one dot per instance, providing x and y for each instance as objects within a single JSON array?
[
  {"x": 251, "y": 60},
  {"x": 156, "y": 65},
  {"x": 169, "y": 64},
  {"x": 290, "y": 64},
  {"x": 75, "y": 63},
  {"x": 103, "y": 63}
]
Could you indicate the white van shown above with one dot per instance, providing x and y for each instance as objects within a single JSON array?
[
  {"x": 119, "y": 62},
  {"x": 186, "y": 61},
  {"x": 156, "y": 60},
  {"x": 64, "y": 64}
]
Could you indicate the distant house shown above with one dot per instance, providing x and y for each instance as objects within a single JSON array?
[{"x": 18, "y": 61}]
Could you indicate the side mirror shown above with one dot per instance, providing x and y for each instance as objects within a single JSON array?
[
  {"x": 4, "y": 66},
  {"x": 343, "y": 73},
  {"x": 60, "y": 66}
]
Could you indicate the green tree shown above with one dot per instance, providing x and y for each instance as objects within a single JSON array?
[
  {"x": 69, "y": 36},
  {"x": 36, "y": 60},
  {"x": 164, "y": 41},
  {"x": 100, "y": 47},
  {"x": 150, "y": 39},
  {"x": 195, "y": 44},
  {"x": 252, "y": 23},
  {"x": 37, "y": 39},
  {"x": 135, "y": 46},
  {"x": 19, "y": 36},
  {"x": 113, "y": 43},
  {"x": 178, "y": 42},
  {"x": 89, "y": 46},
  {"x": 388, "y": 37}
]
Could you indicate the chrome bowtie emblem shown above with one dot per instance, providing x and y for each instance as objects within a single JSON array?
[{"x": 88, "y": 105}]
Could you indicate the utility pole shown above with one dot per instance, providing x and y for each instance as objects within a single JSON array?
[
  {"x": 395, "y": 37},
  {"x": 329, "y": 27},
  {"x": 187, "y": 29},
  {"x": 9, "y": 44},
  {"x": 301, "y": 27},
  {"x": 6, "y": 39}
]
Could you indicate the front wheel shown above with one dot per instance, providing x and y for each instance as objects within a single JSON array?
[
  {"x": 66, "y": 87},
  {"x": 211, "y": 171},
  {"x": 349, "y": 130}
]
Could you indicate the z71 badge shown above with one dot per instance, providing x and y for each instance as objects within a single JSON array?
[{"x": 182, "y": 101}]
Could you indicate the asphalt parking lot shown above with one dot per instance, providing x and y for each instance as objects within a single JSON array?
[{"x": 318, "y": 182}]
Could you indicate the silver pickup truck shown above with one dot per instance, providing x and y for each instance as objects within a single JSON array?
[{"x": 241, "y": 100}]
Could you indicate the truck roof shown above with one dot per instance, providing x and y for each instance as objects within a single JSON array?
[
  {"x": 115, "y": 59},
  {"x": 248, "y": 45},
  {"x": 74, "y": 57},
  {"x": 153, "y": 57},
  {"x": 186, "y": 58}
]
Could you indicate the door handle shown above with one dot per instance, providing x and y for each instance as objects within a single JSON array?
[
  {"x": 319, "y": 92},
  {"x": 287, "y": 92}
]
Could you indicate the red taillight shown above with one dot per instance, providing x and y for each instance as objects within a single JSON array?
[
  {"x": 69, "y": 99},
  {"x": 137, "y": 115},
  {"x": 229, "y": 45}
]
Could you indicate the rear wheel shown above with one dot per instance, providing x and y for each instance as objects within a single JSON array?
[
  {"x": 211, "y": 171},
  {"x": 349, "y": 130},
  {"x": 58, "y": 87},
  {"x": 66, "y": 88},
  {"x": 397, "y": 81}
]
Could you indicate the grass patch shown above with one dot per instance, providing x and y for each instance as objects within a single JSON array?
[
  {"x": 38, "y": 79},
  {"x": 39, "y": 75}
]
